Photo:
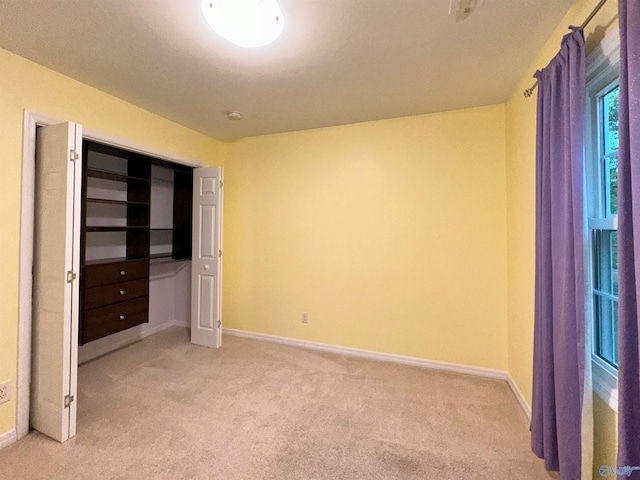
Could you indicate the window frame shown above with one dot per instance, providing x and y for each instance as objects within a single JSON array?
[{"x": 603, "y": 66}]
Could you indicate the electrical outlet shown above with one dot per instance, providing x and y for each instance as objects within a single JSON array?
[
  {"x": 305, "y": 317},
  {"x": 5, "y": 391}
]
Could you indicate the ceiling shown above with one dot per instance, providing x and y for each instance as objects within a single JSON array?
[{"x": 337, "y": 61}]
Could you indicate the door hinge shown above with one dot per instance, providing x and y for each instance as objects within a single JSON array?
[
  {"x": 67, "y": 400},
  {"x": 71, "y": 276},
  {"x": 73, "y": 156},
  {"x": 219, "y": 323},
  {"x": 219, "y": 253},
  {"x": 221, "y": 183}
]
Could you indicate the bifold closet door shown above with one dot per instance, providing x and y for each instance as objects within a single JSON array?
[
  {"x": 54, "y": 365},
  {"x": 206, "y": 257}
]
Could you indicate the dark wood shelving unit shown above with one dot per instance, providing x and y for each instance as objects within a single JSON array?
[
  {"x": 109, "y": 304},
  {"x": 114, "y": 289}
]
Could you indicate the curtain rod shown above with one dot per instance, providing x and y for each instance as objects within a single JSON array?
[{"x": 529, "y": 91}]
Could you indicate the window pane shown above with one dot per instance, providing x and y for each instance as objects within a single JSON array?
[
  {"x": 611, "y": 121},
  {"x": 613, "y": 246},
  {"x": 605, "y": 275},
  {"x": 612, "y": 185},
  {"x": 614, "y": 340},
  {"x": 605, "y": 283},
  {"x": 606, "y": 310},
  {"x": 609, "y": 136}
]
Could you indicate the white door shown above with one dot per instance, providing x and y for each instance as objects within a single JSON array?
[
  {"x": 56, "y": 260},
  {"x": 206, "y": 261}
]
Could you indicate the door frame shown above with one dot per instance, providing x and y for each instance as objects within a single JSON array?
[{"x": 25, "y": 295}]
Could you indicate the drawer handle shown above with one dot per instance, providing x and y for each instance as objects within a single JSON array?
[
  {"x": 121, "y": 317},
  {"x": 122, "y": 272},
  {"x": 121, "y": 292}
]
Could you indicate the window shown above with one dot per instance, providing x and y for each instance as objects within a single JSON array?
[
  {"x": 601, "y": 169},
  {"x": 604, "y": 230}
]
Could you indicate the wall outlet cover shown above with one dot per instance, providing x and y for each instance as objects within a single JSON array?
[{"x": 5, "y": 391}]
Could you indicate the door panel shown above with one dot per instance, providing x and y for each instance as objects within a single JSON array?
[
  {"x": 55, "y": 294},
  {"x": 206, "y": 262},
  {"x": 206, "y": 310},
  {"x": 206, "y": 241}
]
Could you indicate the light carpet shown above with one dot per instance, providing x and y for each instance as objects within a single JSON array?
[{"x": 165, "y": 409}]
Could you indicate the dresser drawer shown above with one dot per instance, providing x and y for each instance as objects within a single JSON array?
[
  {"x": 106, "y": 273},
  {"x": 100, "y": 322},
  {"x": 116, "y": 292}
]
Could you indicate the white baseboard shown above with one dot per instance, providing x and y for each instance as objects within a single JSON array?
[
  {"x": 372, "y": 355},
  {"x": 8, "y": 438},
  {"x": 122, "y": 339},
  {"x": 521, "y": 400},
  {"x": 392, "y": 358}
]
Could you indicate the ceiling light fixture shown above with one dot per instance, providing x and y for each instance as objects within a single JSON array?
[{"x": 246, "y": 23}]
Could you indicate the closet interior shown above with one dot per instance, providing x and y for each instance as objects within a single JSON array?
[{"x": 135, "y": 240}]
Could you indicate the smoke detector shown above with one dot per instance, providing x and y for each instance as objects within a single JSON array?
[
  {"x": 234, "y": 115},
  {"x": 463, "y": 8}
]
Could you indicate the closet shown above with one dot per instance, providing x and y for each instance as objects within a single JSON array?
[{"x": 114, "y": 223}]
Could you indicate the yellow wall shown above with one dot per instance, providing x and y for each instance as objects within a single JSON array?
[
  {"x": 26, "y": 85},
  {"x": 390, "y": 234},
  {"x": 521, "y": 138},
  {"x": 605, "y": 433}
]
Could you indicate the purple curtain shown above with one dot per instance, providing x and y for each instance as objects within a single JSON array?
[
  {"x": 629, "y": 236},
  {"x": 559, "y": 342}
]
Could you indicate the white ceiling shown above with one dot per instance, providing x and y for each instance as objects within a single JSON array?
[{"x": 337, "y": 61}]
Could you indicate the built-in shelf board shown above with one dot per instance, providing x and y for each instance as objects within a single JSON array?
[
  {"x": 161, "y": 255},
  {"x": 106, "y": 260},
  {"x": 114, "y": 202},
  {"x": 90, "y": 229},
  {"x": 118, "y": 177}
]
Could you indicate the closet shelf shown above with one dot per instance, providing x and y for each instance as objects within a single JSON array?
[
  {"x": 114, "y": 202},
  {"x": 115, "y": 228},
  {"x": 103, "y": 261},
  {"x": 118, "y": 177},
  {"x": 161, "y": 255}
]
